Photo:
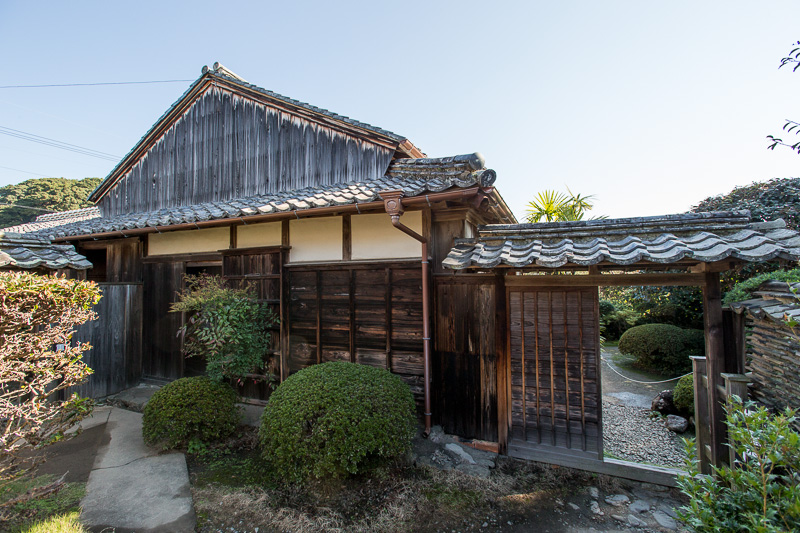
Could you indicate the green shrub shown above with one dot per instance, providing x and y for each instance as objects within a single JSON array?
[
  {"x": 336, "y": 419},
  {"x": 761, "y": 492},
  {"x": 662, "y": 347},
  {"x": 228, "y": 327},
  {"x": 190, "y": 409},
  {"x": 683, "y": 395},
  {"x": 744, "y": 289}
]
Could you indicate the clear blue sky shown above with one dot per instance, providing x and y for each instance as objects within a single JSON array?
[{"x": 650, "y": 106}]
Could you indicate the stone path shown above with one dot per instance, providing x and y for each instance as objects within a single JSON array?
[{"x": 131, "y": 486}]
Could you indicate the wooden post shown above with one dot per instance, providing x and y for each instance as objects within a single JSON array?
[
  {"x": 715, "y": 361},
  {"x": 734, "y": 334},
  {"x": 735, "y": 384},
  {"x": 701, "y": 421}
]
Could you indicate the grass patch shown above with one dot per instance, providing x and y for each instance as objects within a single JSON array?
[
  {"x": 58, "y": 507},
  {"x": 62, "y": 523}
]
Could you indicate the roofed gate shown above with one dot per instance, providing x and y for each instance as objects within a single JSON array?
[{"x": 548, "y": 380}]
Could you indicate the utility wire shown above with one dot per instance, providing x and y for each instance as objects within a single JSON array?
[
  {"x": 25, "y": 172},
  {"x": 58, "y": 144},
  {"x": 90, "y": 84},
  {"x": 27, "y": 207}
]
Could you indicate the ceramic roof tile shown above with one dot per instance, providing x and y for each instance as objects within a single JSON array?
[
  {"x": 25, "y": 251},
  {"x": 702, "y": 237}
]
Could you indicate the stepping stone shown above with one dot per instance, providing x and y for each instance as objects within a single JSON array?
[{"x": 133, "y": 488}]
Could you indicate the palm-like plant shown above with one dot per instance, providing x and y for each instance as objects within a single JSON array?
[{"x": 555, "y": 206}]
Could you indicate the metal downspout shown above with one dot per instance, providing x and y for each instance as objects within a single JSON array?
[{"x": 394, "y": 208}]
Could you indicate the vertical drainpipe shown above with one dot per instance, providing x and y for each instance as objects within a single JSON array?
[{"x": 392, "y": 202}]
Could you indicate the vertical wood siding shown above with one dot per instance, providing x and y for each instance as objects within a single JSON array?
[
  {"x": 227, "y": 146},
  {"x": 161, "y": 348},
  {"x": 555, "y": 382},
  {"x": 367, "y": 314},
  {"x": 465, "y": 357},
  {"x": 116, "y": 339}
]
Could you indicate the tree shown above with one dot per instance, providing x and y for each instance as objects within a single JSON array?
[
  {"x": 38, "y": 315},
  {"x": 43, "y": 195},
  {"x": 555, "y": 206},
  {"x": 790, "y": 126}
]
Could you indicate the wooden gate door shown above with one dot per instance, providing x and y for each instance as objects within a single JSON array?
[{"x": 554, "y": 368}]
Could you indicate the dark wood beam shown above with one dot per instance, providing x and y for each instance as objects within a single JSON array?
[{"x": 607, "y": 280}]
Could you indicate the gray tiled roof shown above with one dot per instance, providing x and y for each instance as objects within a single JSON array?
[
  {"x": 776, "y": 301},
  {"x": 51, "y": 220},
  {"x": 414, "y": 176},
  {"x": 702, "y": 237},
  {"x": 27, "y": 251}
]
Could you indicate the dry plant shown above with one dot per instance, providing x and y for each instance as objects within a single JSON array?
[{"x": 38, "y": 315}]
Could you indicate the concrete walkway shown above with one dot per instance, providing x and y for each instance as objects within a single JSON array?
[{"x": 133, "y": 487}]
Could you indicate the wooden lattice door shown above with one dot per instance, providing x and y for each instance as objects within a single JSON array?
[{"x": 554, "y": 369}]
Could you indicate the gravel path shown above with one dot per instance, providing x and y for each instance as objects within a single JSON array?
[
  {"x": 630, "y": 434},
  {"x": 628, "y": 431}
]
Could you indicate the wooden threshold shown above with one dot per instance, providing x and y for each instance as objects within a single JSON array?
[{"x": 657, "y": 475}]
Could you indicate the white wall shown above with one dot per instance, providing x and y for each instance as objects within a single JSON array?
[
  {"x": 315, "y": 239},
  {"x": 374, "y": 237},
  {"x": 257, "y": 235},
  {"x": 189, "y": 241}
]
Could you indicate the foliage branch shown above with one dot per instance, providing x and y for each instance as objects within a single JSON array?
[
  {"x": 760, "y": 492},
  {"x": 227, "y": 326},
  {"x": 38, "y": 315},
  {"x": 789, "y": 126}
]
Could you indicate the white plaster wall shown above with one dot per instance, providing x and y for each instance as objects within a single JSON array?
[
  {"x": 256, "y": 235},
  {"x": 190, "y": 241},
  {"x": 315, "y": 239},
  {"x": 374, "y": 237}
]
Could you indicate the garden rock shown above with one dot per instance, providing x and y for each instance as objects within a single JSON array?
[
  {"x": 459, "y": 453},
  {"x": 675, "y": 423},
  {"x": 618, "y": 500},
  {"x": 594, "y": 492},
  {"x": 639, "y": 506},
  {"x": 636, "y": 522},
  {"x": 664, "y": 404},
  {"x": 665, "y": 521},
  {"x": 595, "y": 508}
]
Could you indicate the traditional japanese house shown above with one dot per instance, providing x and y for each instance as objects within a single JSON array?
[
  {"x": 371, "y": 252},
  {"x": 337, "y": 223}
]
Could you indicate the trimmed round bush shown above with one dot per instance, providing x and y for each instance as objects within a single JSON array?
[
  {"x": 336, "y": 419},
  {"x": 662, "y": 347},
  {"x": 683, "y": 395},
  {"x": 187, "y": 409}
]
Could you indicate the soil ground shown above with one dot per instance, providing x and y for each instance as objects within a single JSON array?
[{"x": 234, "y": 491}]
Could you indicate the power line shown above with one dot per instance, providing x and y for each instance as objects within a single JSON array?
[
  {"x": 27, "y": 207},
  {"x": 90, "y": 84},
  {"x": 25, "y": 172},
  {"x": 58, "y": 144}
]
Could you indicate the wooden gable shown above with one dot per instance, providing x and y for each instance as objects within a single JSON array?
[{"x": 226, "y": 139}]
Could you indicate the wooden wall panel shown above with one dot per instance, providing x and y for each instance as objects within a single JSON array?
[
  {"x": 368, "y": 313},
  {"x": 161, "y": 348},
  {"x": 116, "y": 339},
  {"x": 226, "y": 146},
  {"x": 465, "y": 353}
]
